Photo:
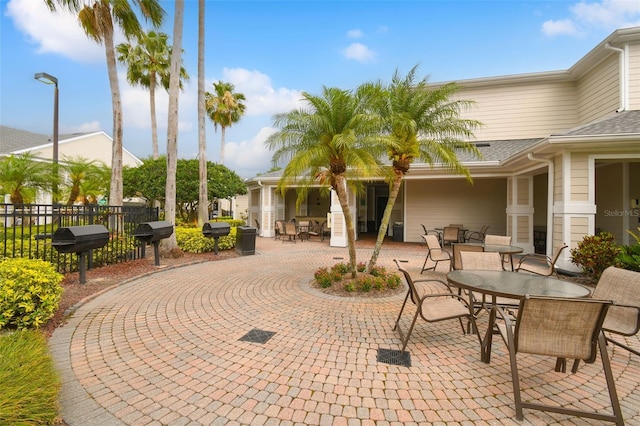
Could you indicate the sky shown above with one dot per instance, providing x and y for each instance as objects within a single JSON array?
[{"x": 272, "y": 51}]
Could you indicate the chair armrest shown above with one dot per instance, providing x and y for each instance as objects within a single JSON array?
[
  {"x": 535, "y": 257},
  {"x": 440, "y": 250}
]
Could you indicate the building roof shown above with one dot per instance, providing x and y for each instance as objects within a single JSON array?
[
  {"x": 12, "y": 140},
  {"x": 622, "y": 123}
]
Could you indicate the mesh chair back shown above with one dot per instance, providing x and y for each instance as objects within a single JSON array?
[
  {"x": 432, "y": 241},
  {"x": 500, "y": 240},
  {"x": 481, "y": 260},
  {"x": 458, "y": 248},
  {"x": 623, "y": 288},
  {"x": 450, "y": 234},
  {"x": 563, "y": 328}
]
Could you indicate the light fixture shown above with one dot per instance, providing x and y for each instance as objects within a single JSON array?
[{"x": 49, "y": 79}]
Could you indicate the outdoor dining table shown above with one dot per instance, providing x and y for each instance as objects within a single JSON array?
[{"x": 513, "y": 285}]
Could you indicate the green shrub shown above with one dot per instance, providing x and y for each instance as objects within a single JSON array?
[
  {"x": 28, "y": 380},
  {"x": 191, "y": 240},
  {"x": 629, "y": 256},
  {"x": 378, "y": 279},
  {"x": 30, "y": 292},
  {"x": 595, "y": 253}
]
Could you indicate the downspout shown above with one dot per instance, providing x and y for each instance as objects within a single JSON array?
[
  {"x": 624, "y": 101},
  {"x": 550, "y": 186},
  {"x": 260, "y": 207}
]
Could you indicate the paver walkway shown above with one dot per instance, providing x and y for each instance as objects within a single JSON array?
[{"x": 165, "y": 349}]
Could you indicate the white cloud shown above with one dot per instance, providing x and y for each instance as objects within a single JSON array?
[
  {"x": 359, "y": 52},
  {"x": 605, "y": 14},
  {"x": 249, "y": 157},
  {"x": 563, "y": 26},
  {"x": 354, "y": 34},
  {"x": 93, "y": 126},
  {"x": 58, "y": 32},
  {"x": 261, "y": 97}
]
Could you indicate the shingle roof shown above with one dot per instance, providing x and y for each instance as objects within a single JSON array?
[
  {"x": 626, "y": 122},
  {"x": 499, "y": 150},
  {"x": 12, "y": 140}
]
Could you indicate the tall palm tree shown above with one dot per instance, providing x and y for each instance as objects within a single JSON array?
[
  {"x": 327, "y": 144},
  {"x": 148, "y": 63},
  {"x": 203, "y": 202},
  {"x": 225, "y": 108},
  {"x": 422, "y": 123},
  {"x": 21, "y": 175},
  {"x": 170, "y": 244},
  {"x": 98, "y": 18}
]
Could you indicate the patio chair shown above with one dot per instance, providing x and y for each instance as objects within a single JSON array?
[
  {"x": 486, "y": 261},
  {"x": 435, "y": 301},
  {"x": 431, "y": 232},
  {"x": 460, "y": 247},
  {"x": 450, "y": 235},
  {"x": 559, "y": 328},
  {"x": 501, "y": 240},
  {"x": 435, "y": 253},
  {"x": 291, "y": 231},
  {"x": 303, "y": 230},
  {"x": 622, "y": 287},
  {"x": 476, "y": 236},
  {"x": 279, "y": 228},
  {"x": 540, "y": 264}
]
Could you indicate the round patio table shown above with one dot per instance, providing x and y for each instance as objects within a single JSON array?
[{"x": 513, "y": 285}]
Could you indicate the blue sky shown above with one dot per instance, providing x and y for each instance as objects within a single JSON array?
[{"x": 274, "y": 50}]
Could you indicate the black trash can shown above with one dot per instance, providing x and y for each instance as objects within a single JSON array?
[
  {"x": 398, "y": 232},
  {"x": 246, "y": 240}
]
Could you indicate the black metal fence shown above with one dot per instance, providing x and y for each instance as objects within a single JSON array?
[{"x": 27, "y": 231}]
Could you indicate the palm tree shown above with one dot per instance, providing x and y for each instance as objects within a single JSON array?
[
  {"x": 85, "y": 178},
  {"x": 98, "y": 20},
  {"x": 203, "y": 202},
  {"x": 170, "y": 244},
  {"x": 225, "y": 108},
  {"x": 148, "y": 64},
  {"x": 421, "y": 123},
  {"x": 21, "y": 175},
  {"x": 326, "y": 144}
]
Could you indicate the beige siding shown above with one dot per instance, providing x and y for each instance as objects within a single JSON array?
[
  {"x": 435, "y": 203},
  {"x": 599, "y": 91},
  {"x": 93, "y": 147},
  {"x": 558, "y": 231},
  {"x": 523, "y": 230},
  {"x": 579, "y": 177},
  {"x": 634, "y": 76},
  {"x": 523, "y": 192},
  {"x": 579, "y": 228},
  {"x": 558, "y": 190},
  {"x": 521, "y": 110}
]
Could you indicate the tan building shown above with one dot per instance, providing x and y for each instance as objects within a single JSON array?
[
  {"x": 561, "y": 161},
  {"x": 92, "y": 146}
]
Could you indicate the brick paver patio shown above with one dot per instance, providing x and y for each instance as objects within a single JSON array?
[{"x": 168, "y": 349}]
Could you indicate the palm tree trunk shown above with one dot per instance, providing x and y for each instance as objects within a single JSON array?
[
  {"x": 169, "y": 244},
  {"x": 203, "y": 202},
  {"x": 341, "y": 189},
  {"x": 222, "y": 134},
  {"x": 384, "y": 223},
  {"x": 154, "y": 121},
  {"x": 115, "y": 188}
]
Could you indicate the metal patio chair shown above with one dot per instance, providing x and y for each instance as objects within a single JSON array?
[
  {"x": 476, "y": 236},
  {"x": 435, "y": 253},
  {"x": 560, "y": 328},
  {"x": 460, "y": 247},
  {"x": 540, "y": 264},
  {"x": 450, "y": 235},
  {"x": 623, "y": 288},
  {"x": 435, "y": 301}
]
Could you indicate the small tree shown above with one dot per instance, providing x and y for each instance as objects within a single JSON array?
[{"x": 21, "y": 175}]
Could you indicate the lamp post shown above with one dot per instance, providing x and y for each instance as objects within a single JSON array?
[{"x": 49, "y": 79}]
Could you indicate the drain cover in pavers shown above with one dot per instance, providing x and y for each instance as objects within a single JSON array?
[
  {"x": 393, "y": 357},
  {"x": 257, "y": 336}
]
